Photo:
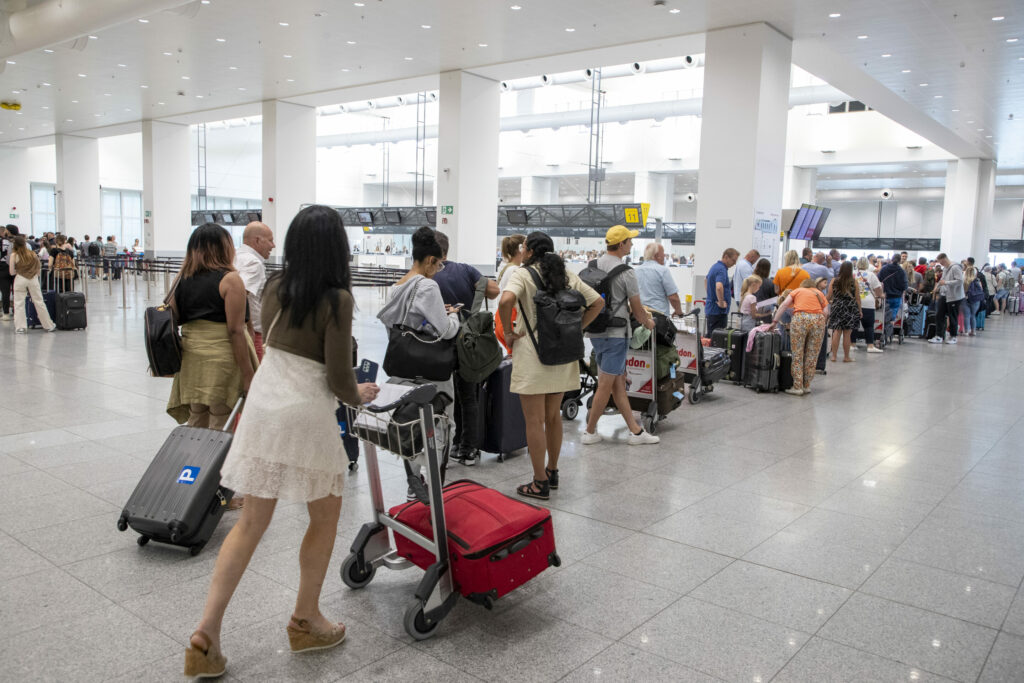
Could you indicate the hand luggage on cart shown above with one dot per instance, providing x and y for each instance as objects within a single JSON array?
[
  {"x": 699, "y": 366},
  {"x": 499, "y": 551},
  {"x": 735, "y": 343},
  {"x": 716, "y": 364},
  {"x": 495, "y": 543},
  {"x": 504, "y": 425},
  {"x": 179, "y": 499},
  {"x": 762, "y": 362}
]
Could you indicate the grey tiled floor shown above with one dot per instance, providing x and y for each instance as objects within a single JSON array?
[{"x": 873, "y": 531}]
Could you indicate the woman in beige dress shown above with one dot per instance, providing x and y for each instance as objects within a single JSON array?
[{"x": 540, "y": 387}]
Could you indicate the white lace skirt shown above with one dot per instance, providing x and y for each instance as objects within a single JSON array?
[{"x": 287, "y": 445}]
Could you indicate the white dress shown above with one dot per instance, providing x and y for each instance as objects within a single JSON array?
[{"x": 287, "y": 445}]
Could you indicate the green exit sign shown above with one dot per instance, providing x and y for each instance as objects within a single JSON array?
[
  {"x": 14, "y": 215},
  {"x": 448, "y": 209}
]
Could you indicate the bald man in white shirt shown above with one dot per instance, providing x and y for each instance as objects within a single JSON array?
[{"x": 250, "y": 262}]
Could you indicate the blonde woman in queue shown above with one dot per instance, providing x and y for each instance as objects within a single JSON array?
[
  {"x": 540, "y": 387},
  {"x": 806, "y": 331}
]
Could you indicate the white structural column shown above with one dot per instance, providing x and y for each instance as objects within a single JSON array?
[
  {"x": 967, "y": 208},
  {"x": 800, "y": 185},
  {"x": 289, "y": 164},
  {"x": 538, "y": 190},
  {"x": 78, "y": 185},
  {"x": 658, "y": 190},
  {"x": 467, "y": 167},
  {"x": 743, "y": 138},
  {"x": 166, "y": 188}
]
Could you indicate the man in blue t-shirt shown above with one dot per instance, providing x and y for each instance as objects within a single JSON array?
[
  {"x": 458, "y": 283},
  {"x": 719, "y": 291}
]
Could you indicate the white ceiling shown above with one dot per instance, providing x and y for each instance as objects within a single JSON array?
[{"x": 953, "y": 46}]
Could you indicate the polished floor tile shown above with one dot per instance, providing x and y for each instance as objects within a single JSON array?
[{"x": 871, "y": 531}]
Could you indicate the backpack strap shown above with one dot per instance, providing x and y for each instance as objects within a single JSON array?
[
  {"x": 607, "y": 282},
  {"x": 526, "y": 319}
]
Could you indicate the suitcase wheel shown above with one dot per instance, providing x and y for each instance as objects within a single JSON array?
[
  {"x": 352, "y": 576},
  {"x": 353, "y": 466},
  {"x": 416, "y": 625},
  {"x": 554, "y": 560},
  {"x": 142, "y": 540},
  {"x": 195, "y": 549},
  {"x": 122, "y": 524}
]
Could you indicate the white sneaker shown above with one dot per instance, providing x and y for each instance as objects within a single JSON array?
[
  {"x": 589, "y": 439},
  {"x": 795, "y": 392},
  {"x": 875, "y": 349},
  {"x": 935, "y": 340},
  {"x": 21, "y": 331},
  {"x": 952, "y": 340},
  {"x": 52, "y": 329},
  {"x": 6, "y": 317},
  {"x": 642, "y": 439}
]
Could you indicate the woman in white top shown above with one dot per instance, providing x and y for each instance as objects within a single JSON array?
[
  {"x": 512, "y": 251},
  {"x": 870, "y": 289}
]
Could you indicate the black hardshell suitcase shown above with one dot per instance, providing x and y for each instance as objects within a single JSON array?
[
  {"x": 785, "y": 370},
  {"x": 179, "y": 499},
  {"x": 762, "y": 363},
  {"x": 505, "y": 426},
  {"x": 735, "y": 343},
  {"x": 822, "y": 355}
]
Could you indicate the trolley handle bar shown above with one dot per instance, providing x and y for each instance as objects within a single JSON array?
[{"x": 421, "y": 395}]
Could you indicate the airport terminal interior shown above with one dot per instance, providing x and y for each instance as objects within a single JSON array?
[{"x": 871, "y": 530}]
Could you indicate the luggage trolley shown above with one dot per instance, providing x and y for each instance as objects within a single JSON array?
[
  {"x": 691, "y": 358},
  {"x": 642, "y": 383},
  {"x": 416, "y": 441}
]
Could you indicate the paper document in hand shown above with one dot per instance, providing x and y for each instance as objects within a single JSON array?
[{"x": 389, "y": 393}]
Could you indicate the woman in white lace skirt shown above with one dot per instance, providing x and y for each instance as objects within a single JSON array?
[{"x": 287, "y": 445}]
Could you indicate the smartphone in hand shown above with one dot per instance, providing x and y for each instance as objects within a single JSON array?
[{"x": 366, "y": 372}]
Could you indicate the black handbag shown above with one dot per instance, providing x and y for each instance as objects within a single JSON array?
[
  {"x": 163, "y": 339},
  {"x": 412, "y": 353}
]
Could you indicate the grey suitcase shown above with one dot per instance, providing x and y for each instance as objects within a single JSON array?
[{"x": 179, "y": 499}]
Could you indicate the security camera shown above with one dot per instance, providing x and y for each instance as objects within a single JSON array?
[
  {"x": 637, "y": 68},
  {"x": 504, "y": 86},
  {"x": 545, "y": 79},
  {"x": 690, "y": 197},
  {"x": 588, "y": 74},
  {"x": 886, "y": 194}
]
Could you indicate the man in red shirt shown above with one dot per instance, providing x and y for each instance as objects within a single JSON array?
[{"x": 922, "y": 265}]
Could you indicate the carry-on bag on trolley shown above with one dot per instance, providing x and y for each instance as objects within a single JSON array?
[
  {"x": 496, "y": 543},
  {"x": 469, "y": 540},
  {"x": 179, "y": 499},
  {"x": 762, "y": 362},
  {"x": 735, "y": 344},
  {"x": 717, "y": 364},
  {"x": 504, "y": 425}
]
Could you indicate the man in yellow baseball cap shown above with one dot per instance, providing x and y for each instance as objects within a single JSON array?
[
  {"x": 618, "y": 234},
  {"x": 618, "y": 285}
]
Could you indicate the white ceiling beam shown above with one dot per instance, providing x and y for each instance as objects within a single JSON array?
[{"x": 819, "y": 59}]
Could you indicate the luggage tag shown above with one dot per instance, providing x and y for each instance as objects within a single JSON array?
[
  {"x": 672, "y": 371},
  {"x": 677, "y": 395}
]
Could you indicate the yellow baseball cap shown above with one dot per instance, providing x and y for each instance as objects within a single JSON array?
[{"x": 619, "y": 233}]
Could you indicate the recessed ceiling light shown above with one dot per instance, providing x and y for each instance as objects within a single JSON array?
[
  {"x": 862, "y": 37},
  {"x": 199, "y": 97},
  {"x": 970, "y": 122},
  {"x": 359, "y": 4},
  {"x": 998, "y": 18},
  {"x": 106, "y": 94},
  {"x": 143, "y": 21},
  {"x": 123, "y": 66},
  {"x": 48, "y": 51},
  {"x": 45, "y": 107},
  {"x": 160, "y": 103},
  {"x": 81, "y": 75},
  {"x": 346, "y": 70},
  {"x": 94, "y": 37},
  {"x": 569, "y": 30},
  {"x": 886, "y": 56},
  {"x": 955, "y": 111},
  {"x": 21, "y": 129},
  {"x": 143, "y": 86},
  {"x": 282, "y": 23},
  {"x": 186, "y": 78},
  {"x": 674, "y": 10},
  {"x": 980, "y": 129},
  {"x": 11, "y": 61},
  {"x": 127, "y": 109},
  {"x": 1012, "y": 40},
  {"x": 222, "y": 40},
  {"x": 408, "y": 59},
  {"x": 424, "y": 25},
  {"x": 167, "y": 54},
  {"x": 242, "y": 89},
  {"x": 834, "y": 15},
  {"x": 515, "y": 8},
  {"x": 290, "y": 80},
  {"x": 15, "y": 92},
  {"x": 233, "y": 68},
  {"x": 68, "y": 121},
  {"x": 988, "y": 136},
  {"x": 46, "y": 84},
  {"x": 905, "y": 71},
  {"x": 923, "y": 85},
  {"x": 938, "y": 97},
  {"x": 204, "y": 2},
  {"x": 97, "y": 115},
  {"x": 287, "y": 56},
  {"x": 350, "y": 42},
  {"x": 481, "y": 44},
  {"x": 76, "y": 102}
]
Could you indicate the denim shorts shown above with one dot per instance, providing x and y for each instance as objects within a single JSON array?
[
  {"x": 611, "y": 355},
  {"x": 1002, "y": 293}
]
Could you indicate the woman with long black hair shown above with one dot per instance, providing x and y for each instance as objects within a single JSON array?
[
  {"x": 286, "y": 446},
  {"x": 540, "y": 387}
]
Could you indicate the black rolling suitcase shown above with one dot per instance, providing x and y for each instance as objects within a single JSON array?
[
  {"x": 763, "y": 361},
  {"x": 930, "y": 328},
  {"x": 505, "y": 426},
  {"x": 70, "y": 306},
  {"x": 179, "y": 499},
  {"x": 822, "y": 355},
  {"x": 735, "y": 344}
]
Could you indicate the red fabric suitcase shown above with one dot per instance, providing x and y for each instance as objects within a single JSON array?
[{"x": 496, "y": 543}]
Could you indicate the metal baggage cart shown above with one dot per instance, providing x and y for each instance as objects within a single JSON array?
[
  {"x": 691, "y": 356},
  {"x": 642, "y": 382},
  {"x": 419, "y": 441}
]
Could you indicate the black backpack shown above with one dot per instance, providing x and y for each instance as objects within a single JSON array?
[
  {"x": 94, "y": 249},
  {"x": 559, "y": 335},
  {"x": 601, "y": 282}
]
